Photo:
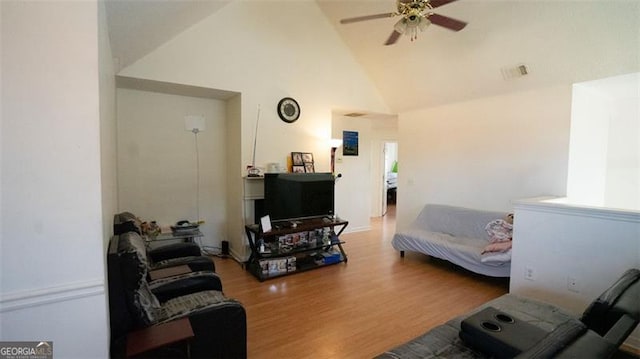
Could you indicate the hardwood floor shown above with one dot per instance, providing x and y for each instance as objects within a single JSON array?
[{"x": 357, "y": 309}]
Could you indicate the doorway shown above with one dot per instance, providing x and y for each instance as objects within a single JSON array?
[{"x": 389, "y": 175}]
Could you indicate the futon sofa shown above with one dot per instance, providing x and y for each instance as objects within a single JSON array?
[
  {"x": 218, "y": 322},
  {"x": 603, "y": 327},
  {"x": 457, "y": 235}
]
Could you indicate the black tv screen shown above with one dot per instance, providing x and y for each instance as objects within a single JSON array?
[{"x": 298, "y": 195}]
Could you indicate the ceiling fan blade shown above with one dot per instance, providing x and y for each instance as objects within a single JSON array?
[
  {"x": 438, "y": 3},
  {"x": 447, "y": 22},
  {"x": 393, "y": 38},
  {"x": 366, "y": 17}
]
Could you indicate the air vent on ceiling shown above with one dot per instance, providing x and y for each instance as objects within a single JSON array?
[
  {"x": 354, "y": 114},
  {"x": 509, "y": 73}
]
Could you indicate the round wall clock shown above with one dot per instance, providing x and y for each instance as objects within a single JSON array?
[{"x": 288, "y": 110}]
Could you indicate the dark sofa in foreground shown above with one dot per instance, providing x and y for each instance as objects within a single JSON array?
[{"x": 603, "y": 327}]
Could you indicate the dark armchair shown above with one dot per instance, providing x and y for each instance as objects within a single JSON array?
[
  {"x": 218, "y": 323},
  {"x": 126, "y": 223}
]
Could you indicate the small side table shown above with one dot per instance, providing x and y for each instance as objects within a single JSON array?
[
  {"x": 186, "y": 236},
  {"x": 158, "y": 336}
]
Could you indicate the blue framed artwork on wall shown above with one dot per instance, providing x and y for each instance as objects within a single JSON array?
[{"x": 349, "y": 143}]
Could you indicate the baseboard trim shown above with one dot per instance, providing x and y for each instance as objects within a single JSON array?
[
  {"x": 43, "y": 296},
  {"x": 357, "y": 229}
]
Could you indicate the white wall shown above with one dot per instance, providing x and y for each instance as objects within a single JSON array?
[
  {"x": 157, "y": 160},
  {"x": 52, "y": 258},
  {"x": 108, "y": 167},
  {"x": 249, "y": 47},
  {"x": 587, "y": 174},
  {"x": 267, "y": 51},
  {"x": 353, "y": 189},
  {"x": 623, "y": 162},
  {"x": 484, "y": 153},
  {"x": 558, "y": 240},
  {"x": 604, "y": 156}
]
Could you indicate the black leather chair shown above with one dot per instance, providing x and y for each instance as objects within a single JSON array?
[
  {"x": 190, "y": 254},
  {"x": 219, "y": 323},
  {"x": 167, "y": 287},
  {"x": 603, "y": 327},
  {"x": 616, "y": 312}
]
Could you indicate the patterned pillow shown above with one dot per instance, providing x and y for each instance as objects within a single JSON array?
[{"x": 499, "y": 230}]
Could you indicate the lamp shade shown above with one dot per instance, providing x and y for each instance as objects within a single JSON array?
[{"x": 336, "y": 142}]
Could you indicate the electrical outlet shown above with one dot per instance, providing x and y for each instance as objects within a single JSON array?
[
  {"x": 573, "y": 285},
  {"x": 529, "y": 273}
]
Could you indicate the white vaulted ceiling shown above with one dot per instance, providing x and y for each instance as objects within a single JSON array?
[
  {"x": 137, "y": 27},
  {"x": 559, "y": 42}
]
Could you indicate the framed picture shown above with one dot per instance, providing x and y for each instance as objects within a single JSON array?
[
  {"x": 309, "y": 168},
  {"x": 307, "y": 157},
  {"x": 298, "y": 169},
  {"x": 296, "y": 158},
  {"x": 349, "y": 143}
]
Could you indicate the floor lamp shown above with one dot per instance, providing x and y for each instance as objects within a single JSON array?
[{"x": 335, "y": 143}]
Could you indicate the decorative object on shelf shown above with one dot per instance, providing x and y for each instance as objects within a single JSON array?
[
  {"x": 274, "y": 168},
  {"x": 309, "y": 167},
  {"x": 150, "y": 228},
  {"x": 296, "y": 157},
  {"x": 288, "y": 110},
  {"x": 416, "y": 15},
  {"x": 350, "y": 143},
  {"x": 307, "y": 159},
  {"x": 302, "y": 162}
]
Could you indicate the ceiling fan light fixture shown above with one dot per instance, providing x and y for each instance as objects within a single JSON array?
[
  {"x": 411, "y": 26},
  {"x": 401, "y": 26},
  {"x": 415, "y": 16}
]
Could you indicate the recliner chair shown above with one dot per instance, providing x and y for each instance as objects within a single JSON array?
[
  {"x": 219, "y": 323},
  {"x": 126, "y": 223}
]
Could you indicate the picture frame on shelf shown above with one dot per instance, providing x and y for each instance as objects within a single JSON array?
[
  {"x": 309, "y": 168},
  {"x": 298, "y": 169},
  {"x": 296, "y": 159},
  {"x": 307, "y": 157}
]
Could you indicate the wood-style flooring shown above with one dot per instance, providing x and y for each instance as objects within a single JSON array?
[{"x": 357, "y": 309}]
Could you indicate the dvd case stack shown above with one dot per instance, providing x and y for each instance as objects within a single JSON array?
[{"x": 278, "y": 266}]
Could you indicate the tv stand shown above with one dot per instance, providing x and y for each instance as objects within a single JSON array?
[{"x": 286, "y": 249}]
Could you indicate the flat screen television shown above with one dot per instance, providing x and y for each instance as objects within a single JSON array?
[{"x": 298, "y": 195}]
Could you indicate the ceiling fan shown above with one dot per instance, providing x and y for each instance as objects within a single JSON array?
[{"x": 416, "y": 15}]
